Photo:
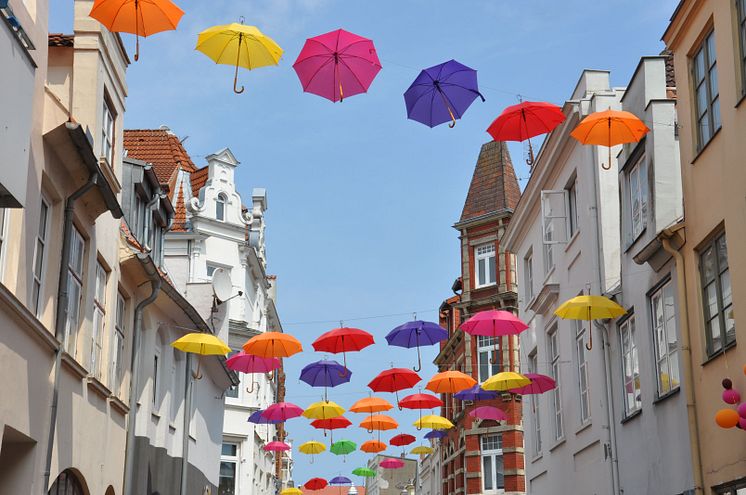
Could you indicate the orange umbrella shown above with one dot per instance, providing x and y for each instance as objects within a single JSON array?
[
  {"x": 371, "y": 405},
  {"x": 138, "y": 17},
  {"x": 450, "y": 382},
  {"x": 609, "y": 128},
  {"x": 272, "y": 344},
  {"x": 373, "y": 446},
  {"x": 379, "y": 422}
]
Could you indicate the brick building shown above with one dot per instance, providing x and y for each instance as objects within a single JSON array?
[{"x": 483, "y": 457}]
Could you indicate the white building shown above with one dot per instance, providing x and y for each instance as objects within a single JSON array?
[{"x": 429, "y": 472}]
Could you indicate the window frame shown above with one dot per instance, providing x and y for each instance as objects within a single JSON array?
[
  {"x": 730, "y": 488},
  {"x": 157, "y": 372},
  {"x": 640, "y": 192},
  {"x": 116, "y": 373},
  {"x": 98, "y": 323},
  {"x": 533, "y": 367},
  {"x": 4, "y": 217},
  {"x": 492, "y": 455},
  {"x": 528, "y": 275},
  {"x": 108, "y": 119},
  {"x": 725, "y": 343},
  {"x": 629, "y": 353},
  {"x": 234, "y": 459},
  {"x": 40, "y": 260},
  {"x": 741, "y": 29},
  {"x": 237, "y": 388},
  {"x": 712, "y": 102},
  {"x": 221, "y": 201},
  {"x": 573, "y": 221},
  {"x": 554, "y": 360},
  {"x": 75, "y": 277},
  {"x": 661, "y": 328},
  {"x": 490, "y": 274},
  {"x": 584, "y": 394},
  {"x": 486, "y": 345}
]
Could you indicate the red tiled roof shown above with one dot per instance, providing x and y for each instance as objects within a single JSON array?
[
  {"x": 199, "y": 179},
  {"x": 59, "y": 39},
  {"x": 159, "y": 147},
  {"x": 494, "y": 186},
  {"x": 180, "y": 218},
  {"x": 334, "y": 490},
  {"x": 129, "y": 237}
]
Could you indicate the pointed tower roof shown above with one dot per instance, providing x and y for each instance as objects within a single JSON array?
[{"x": 494, "y": 186}]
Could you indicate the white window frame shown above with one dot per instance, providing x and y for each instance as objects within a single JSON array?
[
  {"x": 237, "y": 388},
  {"x": 528, "y": 276},
  {"x": 230, "y": 459},
  {"x": 630, "y": 366},
  {"x": 484, "y": 253},
  {"x": 157, "y": 372},
  {"x": 3, "y": 238},
  {"x": 485, "y": 348},
  {"x": 637, "y": 184},
  {"x": 221, "y": 200},
  {"x": 40, "y": 258},
  {"x": 717, "y": 296},
  {"x": 98, "y": 325},
  {"x": 178, "y": 371},
  {"x": 573, "y": 225},
  {"x": 107, "y": 133},
  {"x": 75, "y": 268},
  {"x": 492, "y": 453},
  {"x": 116, "y": 373},
  {"x": 554, "y": 359},
  {"x": 533, "y": 366},
  {"x": 584, "y": 396},
  {"x": 665, "y": 339},
  {"x": 705, "y": 79},
  {"x": 554, "y": 224}
]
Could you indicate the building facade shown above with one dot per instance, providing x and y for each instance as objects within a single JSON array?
[
  {"x": 429, "y": 471},
  {"x": 391, "y": 481},
  {"x": 483, "y": 457}
]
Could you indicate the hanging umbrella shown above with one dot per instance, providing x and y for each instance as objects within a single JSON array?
[
  {"x": 312, "y": 448},
  {"x": 433, "y": 422},
  {"x": 420, "y": 401},
  {"x": 391, "y": 464},
  {"x": 138, "y": 17},
  {"x": 276, "y": 447},
  {"x": 371, "y": 405},
  {"x": 343, "y": 340},
  {"x": 502, "y": 382},
  {"x": 442, "y": 93},
  {"x": 609, "y": 128},
  {"x": 415, "y": 334},
  {"x": 494, "y": 323},
  {"x": 402, "y": 439},
  {"x": 589, "y": 308},
  {"x": 525, "y": 120},
  {"x": 449, "y": 382},
  {"x": 291, "y": 491},
  {"x": 488, "y": 412},
  {"x": 323, "y": 410},
  {"x": 239, "y": 45},
  {"x": 337, "y": 65},
  {"x": 379, "y": 422},
  {"x": 257, "y": 418},
  {"x": 282, "y": 411},
  {"x": 435, "y": 434},
  {"x": 373, "y": 446},
  {"x": 325, "y": 374},
  {"x": 539, "y": 384},
  {"x": 343, "y": 447},
  {"x": 331, "y": 424},
  {"x": 422, "y": 450},
  {"x": 393, "y": 380},
  {"x": 273, "y": 344},
  {"x": 315, "y": 484},
  {"x": 364, "y": 472},
  {"x": 340, "y": 480},
  {"x": 203, "y": 344},
  {"x": 476, "y": 393},
  {"x": 250, "y": 364}
]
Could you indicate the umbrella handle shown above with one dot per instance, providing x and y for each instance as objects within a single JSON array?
[
  {"x": 589, "y": 345},
  {"x": 197, "y": 375},
  {"x": 137, "y": 33},
  {"x": 235, "y": 76},
  {"x": 419, "y": 360},
  {"x": 602, "y": 165},
  {"x": 250, "y": 389},
  {"x": 344, "y": 373}
]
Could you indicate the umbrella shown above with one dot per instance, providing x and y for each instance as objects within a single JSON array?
[
  {"x": 371, "y": 405},
  {"x": 337, "y": 64},
  {"x": 325, "y": 374},
  {"x": 589, "y": 308},
  {"x": 239, "y": 45},
  {"x": 248, "y": 363},
  {"x": 494, "y": 323},
  {"x": 343, "y": 340},
  {"x": 476, "y": 393},
  {"x": 391, "y": 464},
  {"x": 539, "y": 384},
  {"x": 323, "y": 410},
  {"x": 433, "y": 422},
  {"x": 204, "y": 344},
  {"x": 276, "y": 447},
  {"x": 525, "y": 120},
  {"x": 393, "y": 380},
  {"x": 340, "y": 480},
  {"x": 315, "y": 484},
  {"x": 141, "y": 18},
  {"x": 364, "y": 472},
  {"x": 273, "y": 344},
  {"x": 420, "y": 401},
  {"x": 435, "y": 434},
  {"x": 291, "y": 491},
  {"x": 609, "y": 128},
  {"x": 416, "y": 333},
  {"x": 421, "y": 449},
  {"x": 502, "y": 382},
  {"x": 379, "y": 422},
  {"x": 402, "y": 439},
  {"x": 449, "y": 382},
  {"x": 373, "y": 446},
  {"x": 488, "y": 412},
  {"x": 311, "y": 448},
  {"x": 282, "y": 411},
  {"x": 257, "y": 418},
  {"x": 343, "y": 447},
  {"x": 331, "y": 424},
  {"x": 442, "y": 93}
]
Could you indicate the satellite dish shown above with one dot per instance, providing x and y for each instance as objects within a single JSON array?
[{"x": 222, "y": 286}]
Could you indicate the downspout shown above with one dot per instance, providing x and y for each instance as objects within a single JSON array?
[
  {"x": 129, "y": 459},
  {"x": 61, "y": 316},
  {"x": 185, "y": 425},
  {"x": 686, "y": 357}
]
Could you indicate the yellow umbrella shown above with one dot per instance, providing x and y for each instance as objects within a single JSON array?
[
  {"x": 239, "y": 45},
  {"x": 422, "y": 450},
  {"x": 205, "y": 344},
  {"x": 312, "y": 448},
  {"x": 504, "y": 381},
  {"x": 323, "y": 410},
  {"x": 433, "y": 422},
  {"x": 589, "y": 308},
  {"x": 291, "y": 491}
]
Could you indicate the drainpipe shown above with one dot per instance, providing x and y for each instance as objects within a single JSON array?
[
  {"x": 185, "y": 425},
  {"x": 686, "y": 357},
  {"x": 61, "y": 315},
  {"x": 129, "y": 459}
]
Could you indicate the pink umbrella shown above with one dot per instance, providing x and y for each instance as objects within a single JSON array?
[
  {"x": 276, "y": 447},
  {"x": 539, "y": 384},
  {"x": 249, "y": 363},
  {"x": 494, "y": 323},
  {"x": 488, "y": 412},
  {"x": 391, "y": 464},
  {"x": 282, "y": 411},
  {"x": 337, "y": 64}
]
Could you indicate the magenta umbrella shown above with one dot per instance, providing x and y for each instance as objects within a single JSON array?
[
  {"x": 539, "y": 384},
  {"x": 276, "y": 447},
  {"x": 494, "y": 323},
  {"x": 488, "y": 412},
  {"x": 282, "y": 411},
  {"x": 391, "y": 464},
  {"x": 337, "y": 65},
  {"x": 249, "y": 363}
]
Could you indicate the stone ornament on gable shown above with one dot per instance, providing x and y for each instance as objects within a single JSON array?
[{"x": 193, "y": 206}]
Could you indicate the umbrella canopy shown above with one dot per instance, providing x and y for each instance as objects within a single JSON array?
[
  {"x": 373, "y": 446},
  {"x": 449, "y": 382},
  {"x": 539, "y": 384},
  {"x": 371, "y": 405},
  {"x": 257, "y": 418},
  {"x": 364, "y": 472},
  {"x": 325, "y": 373},
  {"x": 343, "y": 340},
  {"x": 312, "y": 447},
  {"x": 525, "y": 120},
  {"x": 505, "y": 381},
  {"x": 589, "y": 308},
  {"x": 337, "y": 65},
  {"x": 379, "y": 422},
  {"x": 273, "y": 344},
  {"x": 239, "y": 45},
  {"x": 442, "y": 93},
  {"x": 415, "y": 334},
  {"x": 141, "y": 18},
  {"x": 343, "y": 447},
  {"x": 420, "y": 401},
  {"x": 249, "y": 363},
  {"x": 393, "y": 380},
  {"x": 331, "y": 424},
  {"x": 435, "y": 434},
  {"x": 205, "y": 344},
  {"x": 323, "y": 410},
  {"x": 494, "y": 323},
  {"x": 609, "y": 128},
  {"x": 391, "y": 464},
  {"x": 291, "y": 491},
  {"x": 488, "y": 412},
  {"x": 421, "y": 450},
  {"x": 340, "y": 480},
  {"x": 433, "y": 422},
  {"x": 282, "y": 411},
  {"x": 315, "y": 484},
  {"x": 476, "y": 393},
  {"x": 276, "y": 447},
  {"x": 402, "y": 439}
]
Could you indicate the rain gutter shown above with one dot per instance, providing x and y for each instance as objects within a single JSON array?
[{"x": 185, "y": 426}]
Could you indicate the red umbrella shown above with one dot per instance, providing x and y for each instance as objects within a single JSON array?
[
  {"x": 524, "y": 121},
  {"x": 331, "y": 424},
  {"x": 343, "y": 340},
  {"x": 276, "y": 447},
  {"x": 402, "y": 439},
  {"x": 488, "y": 412},
  {"x": 282, "y": 411},
  {"x": 337, "y": 64},
  {"x": 494, "y": 323},
  {"x": 539, "y": 384},
  {"x": 420, "y": 401},
  {"x": 315, "y": 484},
  {"x": 393, "y": 380}
]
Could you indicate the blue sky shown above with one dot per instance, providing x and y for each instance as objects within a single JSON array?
[{"x": 362, "y": 200}]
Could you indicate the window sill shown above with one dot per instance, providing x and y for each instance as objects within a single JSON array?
[
  {"x": 714, "y": 356},
  {"x": 478, "y": 287},
  {"x": 98, "y": 387},
  {"x": 707, "y": 144},
  {"x": 588, "y": 423},
  {"x": 740, "y": 100},
  {"x": 118, "y": 405},
  {"x": 155, "y": 415},
  {"x": 73, "y": 365},
  {"x": 634, "y": 239},
  {"x": 665, "y": 396},
  {"x": 548, "y": 276},
  {"x": 537, "y": 458},
  {"x": 572, "y": 240},
  {"x": 171, "y": 428},
  {"x": 559, "y": 442},
  {"x": 631, "y": 416}
]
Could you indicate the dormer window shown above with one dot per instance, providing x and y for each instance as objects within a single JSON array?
[
  {"x": 485, "y": 270},
  {"x": 220, "y": 207}
]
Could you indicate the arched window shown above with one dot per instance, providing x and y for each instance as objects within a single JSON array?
[
  {"x": 67, "y": 483},
  {"x": 220, "y": 207}
]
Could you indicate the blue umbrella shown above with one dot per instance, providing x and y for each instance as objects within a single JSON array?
[
  {"x": 476, "y": 393},
  {"x": 436, "y": 434},
  {"x": 325, "y": 374},
  {"x": 340, "y": 480},
  {"x": 257, "y": 418},
  {"x": 442, "y": 93},
  {"x": 416, "y": 333}
]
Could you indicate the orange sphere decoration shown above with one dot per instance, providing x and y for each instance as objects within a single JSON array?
[
  {"x": 726, "y": 418},
  {"x": 744, "y": 369}
]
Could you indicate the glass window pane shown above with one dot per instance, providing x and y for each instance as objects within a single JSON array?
[
  {"x": 229, "y": 449},
  {"x": 487, "y": 474},
  {"x": 492, "y": 270},
  {"x": 722, "y": 250},
  {"x": 699, "y": 66},
  {"x": 710, "y": 43},
  {"x": 481, "y": 275}
]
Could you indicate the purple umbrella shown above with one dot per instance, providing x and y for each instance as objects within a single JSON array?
[
  {"x": 416, "y": 333},
  {"x": 435, "y": 434},
  {"x": 257, "y": 418},
  {"x": 442, "y": 93},
  {"x": 476, "y": 393},
  {"x": 325, "y": 374},
  {"x": 340, "y": 480}
]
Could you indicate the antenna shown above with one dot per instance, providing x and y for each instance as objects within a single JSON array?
[{"x": 222, "y": 287}]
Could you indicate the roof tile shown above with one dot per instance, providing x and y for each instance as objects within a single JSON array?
[
  {"x": 160, "y": 147},
  {"x": 494, "y": 185}
]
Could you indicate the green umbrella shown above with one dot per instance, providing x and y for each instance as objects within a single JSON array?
[
  {"x": 343, "y": 447},
  {"x": 364, "y": 471}
]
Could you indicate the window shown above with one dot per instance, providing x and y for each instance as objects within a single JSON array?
[
  {"x": 493, "y": 478},
  {"x": 733, "y": 488},
  {"x": 666, "y": 341},
  {"x": 3, "y": 235},
  {"x": 630, "y": 367},
  {"x": 555, "y": 207},
  {"x": 228, "y": 469},
  {"x": 74, "y": 290},
  {"x": 485, "y": 351},
  {"x": 107, "y": 133},
  {"x": 232, "y": 392},
  {"x": 39, "y": 252},
  {"x": 583, "y": 386},
  {"x": 117, "y": 352},
  {"x": 157, "y": 240},
  {"x": 533, "y": 366},
  {"x": 178, "y": 370},
  {"x": 720, "y": 327},
  {"x": 638, "y": 197},
  {"x": 220, "y": 207},
  {"x": 211, "y": 270},
  {"x": 157, "y": 363},
  {"x": 485, "y": 260},
  {"x": 741, "y": 9},
  {"x": 99, "y": 318},
  {"x": 572, "y": 207},
  {"x": 66, "y": 484},
  {"x": 707, "y": 97},
  {"x": 528, "y": 276},
  {"x": 554, "y": 358},
  {"x": 548, "y": 248}
]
